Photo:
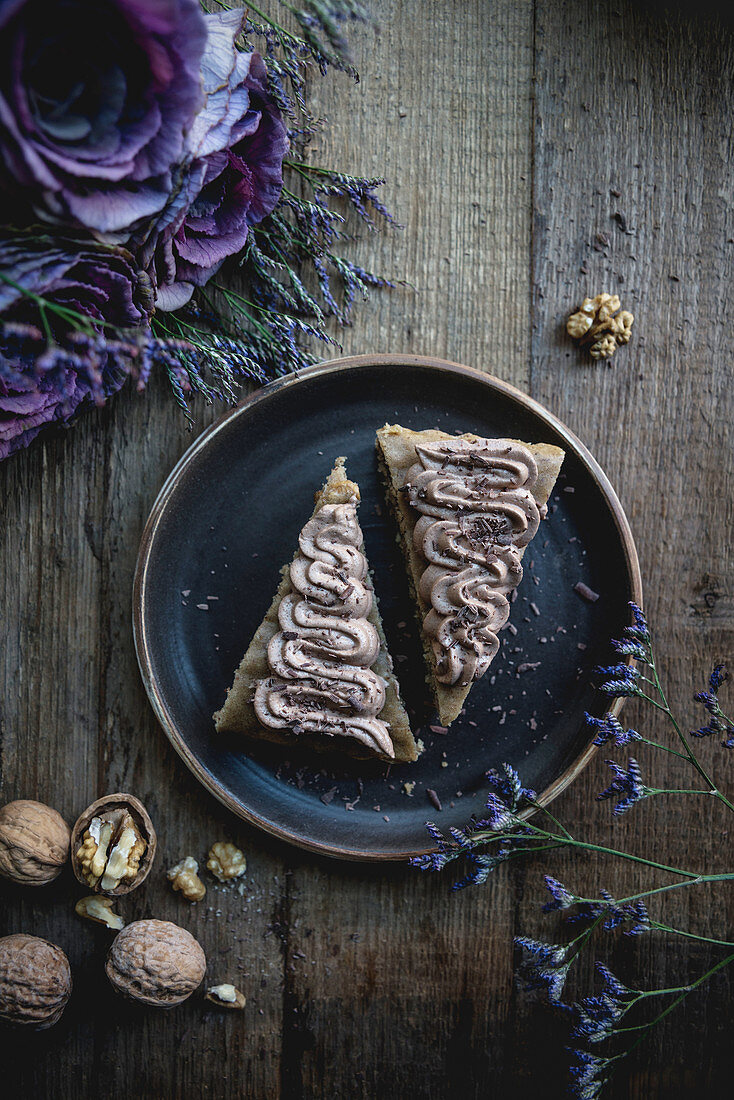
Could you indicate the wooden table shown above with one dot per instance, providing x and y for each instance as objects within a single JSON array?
[{"x": 536, "y": 152}]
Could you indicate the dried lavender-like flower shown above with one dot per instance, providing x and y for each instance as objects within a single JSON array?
[
  {"x": 562, "y": 898},
  {"x": 508, "y": 787},
  {"x": 718, "y": 724},
  {"x": 585, "y": 1071},
  {"x": 627, "y": 783},
  {"x": 609, "y": 729},
  {"x": 618, "y": 680},
  {"x": 543, "y": 966}
]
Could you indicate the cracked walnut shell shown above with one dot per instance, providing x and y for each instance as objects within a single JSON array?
[
  {"x": 156, "y": 962},
  {"x": 35, "y": 981},
  {"x": 113, "y": 845},
  {"x": 185, "y": 877},
  {"x": 226, "y": 996},
  {"x": 226, "y": 862},
  {"x": 34, "y": 842}
]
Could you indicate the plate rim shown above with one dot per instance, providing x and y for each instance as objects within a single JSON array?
[{"x": 262, "y": 393}]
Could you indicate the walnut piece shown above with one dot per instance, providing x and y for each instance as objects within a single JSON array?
[
  {"x": 34, "y": 842},
  {"x": 100, "y": 910},
  {"x": 226, "y": 862},
  {"x": 35, "y": 981},
  {"x": 226, "y": 996},
  {"x": 113, "y": 845},
  {"x": 184, "y": 877},
  {"x": 596, "y": 325},
  {"x": 156, "y": 962}
]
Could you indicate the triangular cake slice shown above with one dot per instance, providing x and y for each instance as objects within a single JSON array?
[
  {"x": 466, "y": 508},
  {"x": 317, "y": 671}
]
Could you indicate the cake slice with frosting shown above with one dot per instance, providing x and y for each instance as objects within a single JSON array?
[
  {"x": 317, "y": 671},
  {"x": 466, "y": 509}
]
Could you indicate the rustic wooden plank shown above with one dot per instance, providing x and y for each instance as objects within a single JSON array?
[
  {"x": 632, "y": 118},
  {"x": 443, "y": 112}
]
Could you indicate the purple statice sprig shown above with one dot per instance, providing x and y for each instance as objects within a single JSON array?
[
  {"x": 611, "y": 913},
  {"x": 624, "y": 679},
  {"x": 628, "y": 784},
  {"x": 719, "y": 724},
  {"x": 609, "y": 729}
]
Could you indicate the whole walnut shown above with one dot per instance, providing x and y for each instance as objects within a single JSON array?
[
  {"x": 34, "y": 842},
  {"x": 156, "y": 962},
  {"x": 35, "y": 981}
]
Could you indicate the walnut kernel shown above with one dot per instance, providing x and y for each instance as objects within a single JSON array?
[
  {"x": 185, "y": 877},
  {"x": 34, "y": 842},
  {"x": 113, "y": 845},
  {"x": 35, "y": 981},
  {"x": 226, "y": 996},
  {"x": 226, "y": 862},
  {"x": 596, "y": 326},
  {"x": 100, "y": 910},
  {"x": 156, "y": 962}
]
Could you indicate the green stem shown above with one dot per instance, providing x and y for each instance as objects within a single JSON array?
[
  {"x": 685, "y": 990},
  {"x": 689, "y": 935},
  {"x": 665, "y": 748},
  {"x": 689, "y": 752}
]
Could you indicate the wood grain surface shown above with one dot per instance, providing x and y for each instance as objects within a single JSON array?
[{"x": 535, "y": 152}]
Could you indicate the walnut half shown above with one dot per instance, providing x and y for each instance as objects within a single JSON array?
[
  {"x": 595, "y": 325},
  {"x": 99, "y": 910},
  {"x": 113, "y": 844},
  {"x": 185, "y": 877},
  {"x": 226, "y": 862}
]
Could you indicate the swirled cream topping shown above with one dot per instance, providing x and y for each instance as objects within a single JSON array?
[
  {"x": 320, "y": 659},
  {"x": 477, "y": 513}
]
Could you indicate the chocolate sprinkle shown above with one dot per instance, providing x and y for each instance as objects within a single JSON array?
[{"x": 433, "y": 798}]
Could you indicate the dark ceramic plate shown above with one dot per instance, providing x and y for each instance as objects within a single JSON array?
[{"x": 228, "y": 518}]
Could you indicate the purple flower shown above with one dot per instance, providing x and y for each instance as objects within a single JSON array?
[
  {"x": 718, "y": 723},
  {"x": 609, "y": 729},
  {"x": 53, "y": 354},
  {"x": 96, "y": 100},
  {"x": 543, "y": 966},
  {"x": 627, "y": 783},
  {"x": 235, "y": 174}
]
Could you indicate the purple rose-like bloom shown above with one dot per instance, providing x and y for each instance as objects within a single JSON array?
[
  {"x": 96, "y": 100},
  {"x": 44, "y": 381},
  {"x": 235, "y": 175}
]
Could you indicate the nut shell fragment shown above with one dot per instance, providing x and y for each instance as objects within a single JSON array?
[
  {"x": 35, "y": 981},
  {"x": 34, "y": 842},
  {"x": 156, "y": 962},
  {"x": 226, "y": 996},
  {"x": 113, "y": 845}
]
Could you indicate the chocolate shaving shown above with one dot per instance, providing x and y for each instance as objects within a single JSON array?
[
  {"x": 433, "y": 798},
  {"x": 327, "y": 796},
  {"x": 527, "y": 666},
  {"x": 585, "y": 592}
]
